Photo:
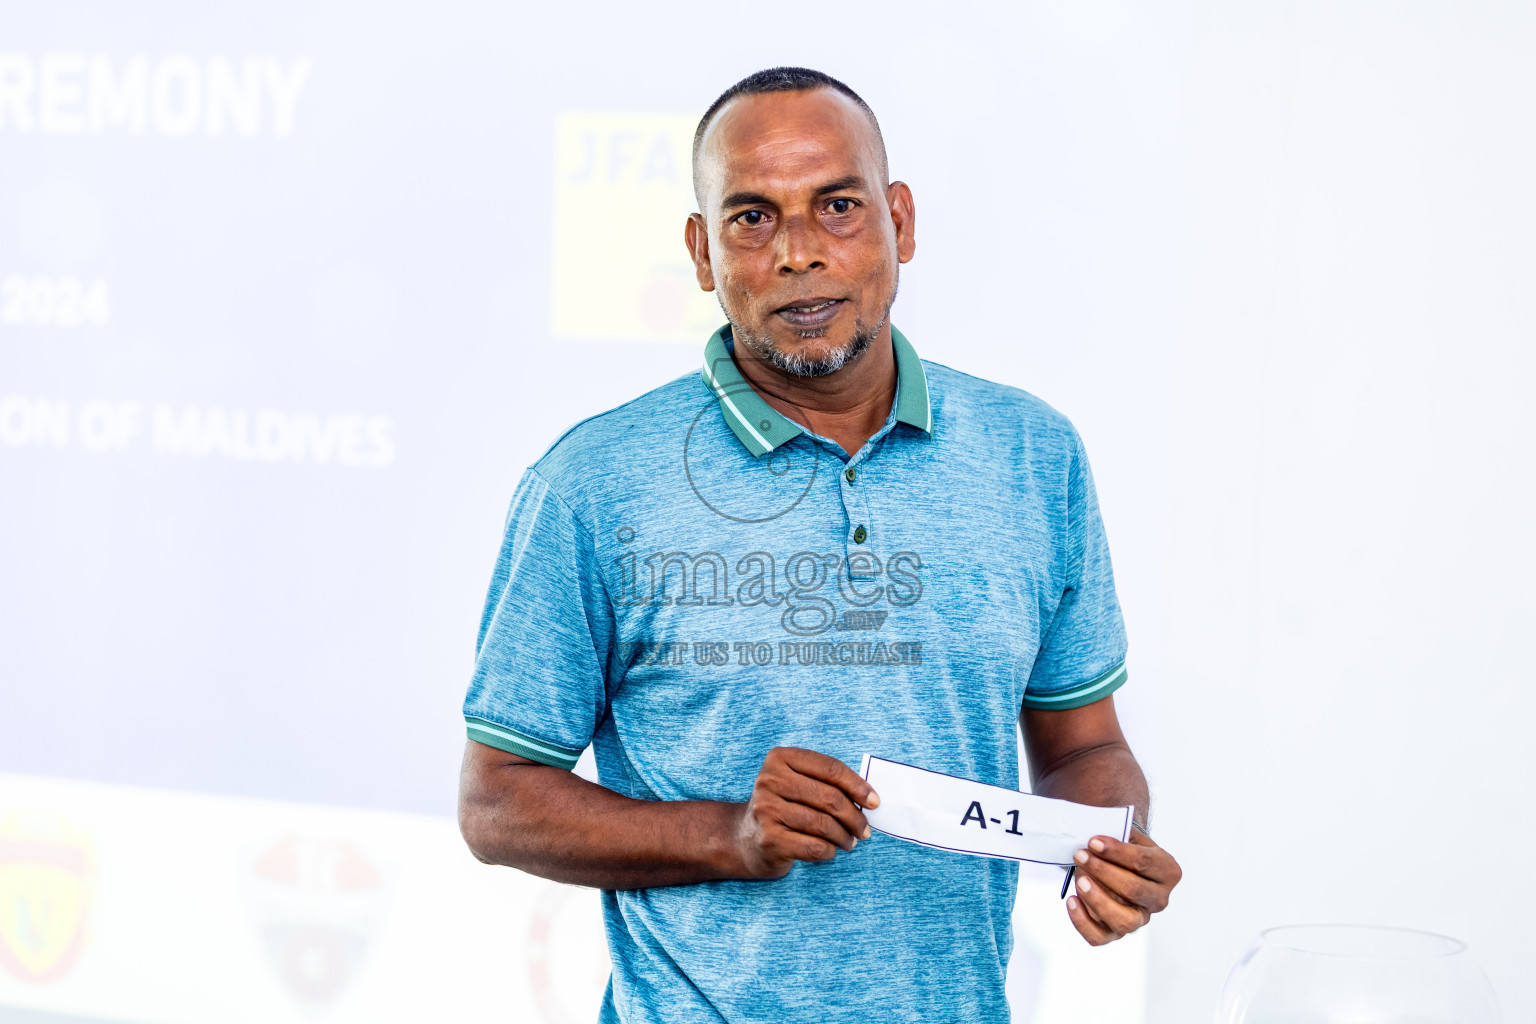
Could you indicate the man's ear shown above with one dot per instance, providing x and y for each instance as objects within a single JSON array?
[
  {"x": 904, "y": 215},
  {"x": 696, "y": 237}
]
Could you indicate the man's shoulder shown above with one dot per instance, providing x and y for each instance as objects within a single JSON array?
[
  {"x": 620, "y": 437},
  {"x": 993, "y": 408}
]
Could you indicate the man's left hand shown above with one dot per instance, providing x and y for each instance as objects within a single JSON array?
[{"x": 1120, "y": 886}]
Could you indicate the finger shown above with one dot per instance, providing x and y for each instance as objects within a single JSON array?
[
  {"x": 811, "y": 849},
  {"x": 1125, "y": 886},
  {"x": 1089, "y": 911},
  {"x": 811, "y": 822},
  {"x": 1116, "y": 916},
  {"x": 826, "y": 798},
  {"x": 832, "y": 771},
  {"x": 1086, "y": 926},
  {"x": 1142, "y": 857}
]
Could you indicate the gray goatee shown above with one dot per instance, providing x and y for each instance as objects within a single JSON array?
[{"x": 796, "y": 364}]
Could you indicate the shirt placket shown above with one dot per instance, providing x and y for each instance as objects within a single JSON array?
[{"x": 859, "y": 553}]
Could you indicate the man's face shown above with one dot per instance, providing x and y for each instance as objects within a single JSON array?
[{"x": 798, "y": 234}]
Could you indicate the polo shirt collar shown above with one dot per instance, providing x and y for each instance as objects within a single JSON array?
[{"x": 762, "y": 428}]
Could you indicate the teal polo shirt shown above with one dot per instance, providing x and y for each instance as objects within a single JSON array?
[{"x": 693, "y": 578}]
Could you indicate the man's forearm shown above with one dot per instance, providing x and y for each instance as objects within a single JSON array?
[
  {"x": 805, "y": 806},
  {"x": 1106, "y": 776},
  {"x": 552, "y": 823}
]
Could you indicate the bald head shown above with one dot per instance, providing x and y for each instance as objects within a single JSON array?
[
  {"x": 780, "y": 81},
  {"x": 800, "y": 229}
]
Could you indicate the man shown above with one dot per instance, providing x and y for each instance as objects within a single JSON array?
[{"x": 736, "y": 585}]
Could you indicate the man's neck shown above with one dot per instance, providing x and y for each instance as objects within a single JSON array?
[{"x": 848, "y": 406}]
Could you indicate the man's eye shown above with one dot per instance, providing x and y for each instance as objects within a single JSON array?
[
  {"x": 840, "y": 205},
  {"x": 752, "y": 218}
]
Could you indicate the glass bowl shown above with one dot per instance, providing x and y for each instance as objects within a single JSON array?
[{"x": 1356, "y": 974}]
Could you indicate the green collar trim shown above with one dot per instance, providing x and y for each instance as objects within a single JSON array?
[
  {"x": 762, "y": 428},
  {"x": 758, "y": 425},
  {"x": 912, "y": 406}
]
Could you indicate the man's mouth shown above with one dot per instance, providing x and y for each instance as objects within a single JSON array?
[{"x": 809, "y": 314}]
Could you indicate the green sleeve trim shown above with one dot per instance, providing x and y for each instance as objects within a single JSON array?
[
  {"x": 521, "y": 744},
  {"x": 1082, "y": 694}
]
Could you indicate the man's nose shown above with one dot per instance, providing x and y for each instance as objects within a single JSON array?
[{"x": 800, "y": 246}]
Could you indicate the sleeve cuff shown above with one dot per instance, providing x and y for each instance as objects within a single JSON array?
[
  {"x": 1081, "y": 694},
  {"x": 521, "y": 744}
]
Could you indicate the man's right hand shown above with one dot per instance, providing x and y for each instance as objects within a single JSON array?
[
  {"x": 553, "y": 823},
  {"x": 804, "y": 806}
]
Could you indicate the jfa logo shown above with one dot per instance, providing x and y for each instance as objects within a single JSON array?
[{"x": 623, "y": 188}]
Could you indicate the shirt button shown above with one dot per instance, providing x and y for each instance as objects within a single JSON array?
[
  {"x": 859, "y": 535},
  {"x": 852, "y": 474}
]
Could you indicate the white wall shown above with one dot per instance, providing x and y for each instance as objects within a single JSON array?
[{"x": 1346, "y": 706}]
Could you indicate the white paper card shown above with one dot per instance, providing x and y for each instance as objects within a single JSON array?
[{"x": 951, "y": 813}]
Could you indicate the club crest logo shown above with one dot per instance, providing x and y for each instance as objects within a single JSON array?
[
  {"x": 47, "y": 873},
  {"x": 316, "y": 904}
]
